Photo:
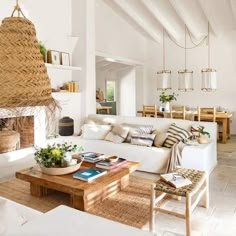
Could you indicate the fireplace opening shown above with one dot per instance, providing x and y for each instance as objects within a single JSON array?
[{"x": 16, "y": 133}]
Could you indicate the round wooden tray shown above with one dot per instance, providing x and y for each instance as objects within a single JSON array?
[{"x": 60, "y": 171}]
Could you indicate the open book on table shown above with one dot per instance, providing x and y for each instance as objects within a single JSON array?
[{"x": 176, "y": 180}]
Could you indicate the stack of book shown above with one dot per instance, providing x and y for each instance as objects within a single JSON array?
[
  {"x": 176, "y": 180},
  {"x": 109, "y": 164},
  {"x": 88, "y": 174},
  {"x": 92, "y": 157}
]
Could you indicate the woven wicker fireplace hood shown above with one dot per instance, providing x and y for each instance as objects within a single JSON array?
[{"x": 23, "y": 75}]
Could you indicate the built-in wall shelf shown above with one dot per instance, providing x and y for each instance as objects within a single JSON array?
[{"x": 61, "y": 67}]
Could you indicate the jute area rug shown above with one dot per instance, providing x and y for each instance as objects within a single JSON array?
[{"x": 130, "y": 206}]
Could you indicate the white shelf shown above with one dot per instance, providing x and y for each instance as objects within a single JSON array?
[
  {"x": 61, "y": 67},
  {"x": 64, "y": 93}
]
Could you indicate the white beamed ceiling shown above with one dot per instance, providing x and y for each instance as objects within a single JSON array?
[{"x": 149, "y": 17}]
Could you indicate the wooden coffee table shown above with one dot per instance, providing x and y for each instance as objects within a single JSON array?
[{"x": 83, "y": 195}]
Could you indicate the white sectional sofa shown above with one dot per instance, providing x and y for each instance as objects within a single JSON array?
[{"x": 153, "y": 159}]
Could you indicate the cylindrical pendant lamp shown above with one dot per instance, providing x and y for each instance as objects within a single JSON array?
[
  {"x": 185, "y": 76},
  {"x": 209, "y": 81},
  {"x": 164, "y": 76}
]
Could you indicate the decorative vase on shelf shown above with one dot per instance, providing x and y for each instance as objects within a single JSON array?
[{"x": 167, "y": 106}]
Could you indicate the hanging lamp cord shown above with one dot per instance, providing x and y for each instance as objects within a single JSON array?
[
  {"x": 164, "y": 50},
  {"x": 208, "y": 44},
  {"x": 185, "y": 50},
  {"x": 189, "y": 34},
  {"x": 18, "y": 9}
]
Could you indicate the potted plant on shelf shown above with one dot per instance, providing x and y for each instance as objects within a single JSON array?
[
  {"x": 204, "y": 136},
  {"x": 166, "y": 99},
  {"x": 57, "y": 159},
  {"x": 43, "y": 51}
]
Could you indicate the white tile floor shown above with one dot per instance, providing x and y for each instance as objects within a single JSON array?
[{"x": 218, "y": 220}]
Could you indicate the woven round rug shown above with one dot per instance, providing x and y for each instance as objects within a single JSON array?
[{"x": 130, "y": 206}]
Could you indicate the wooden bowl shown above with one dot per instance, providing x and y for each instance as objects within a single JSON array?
[{"x": 62, "y": 170}]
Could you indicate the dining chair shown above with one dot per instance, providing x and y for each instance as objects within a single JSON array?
[
  {"x": 178, "y": 112},
  {"x": 206, "y": 114},
  {"x": 150, "y": 110}
]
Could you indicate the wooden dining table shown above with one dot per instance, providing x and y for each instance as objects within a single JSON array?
[{"x": 222, "y": 118}]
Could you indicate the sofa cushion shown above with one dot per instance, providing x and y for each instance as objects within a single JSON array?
[
  {"x": 137, "y": 129},
  {"x": 93, "y": 131},
  {"x": 175, "y": 135},
  {"x": 118, "y": 134},
  {"x": 143, "y": 139},
  {"x": 159, "y": 138},
  {"x": 9, "y": 217}
]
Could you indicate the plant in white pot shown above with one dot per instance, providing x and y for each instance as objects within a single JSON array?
[
  {"x": 166, "y": 99},
  {"x": 57, "y": 159},
  {"x": 204, "y": 135}
]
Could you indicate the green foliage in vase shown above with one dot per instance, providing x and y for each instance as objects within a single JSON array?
[
  {"x": 43, "y": 50},
  {"x": 201, "y": 131},
  {"x": 53, "y": 155},
  {"x": 167, "y": 97}
]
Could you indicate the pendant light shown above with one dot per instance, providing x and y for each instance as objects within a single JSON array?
[
  {"x": 185, "y": 76},
  {"x": 23, "y": 74},
  {"x": 209, "y": 75},
  {"x": 164, "y": 76}
]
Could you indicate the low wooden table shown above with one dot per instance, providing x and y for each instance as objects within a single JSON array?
[{"x": 83, "y": 195}]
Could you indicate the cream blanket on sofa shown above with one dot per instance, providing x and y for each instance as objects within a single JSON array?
[{"x": 175, "y": 159}]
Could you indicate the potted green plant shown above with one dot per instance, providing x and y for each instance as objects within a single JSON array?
[
  {"x": 43, "y": 51},
  {"x": 167, "y": 98},
  {"x": 57, "y": 159},
  {"x": 204, "y": 135}
]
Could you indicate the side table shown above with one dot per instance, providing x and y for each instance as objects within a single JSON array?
[{"x": 199, "y": 188}]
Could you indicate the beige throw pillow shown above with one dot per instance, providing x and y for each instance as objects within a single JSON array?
[
  {"x": 159, "y": 138},
  {"x": 92, "y": 131},
  {"x": 118, "y": 134}
]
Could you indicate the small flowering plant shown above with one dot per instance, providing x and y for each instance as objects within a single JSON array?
[
  {"x": 202, "y": 131},
  {"x": 53, "y": 155},
  {"x": 167, "y": 98}
]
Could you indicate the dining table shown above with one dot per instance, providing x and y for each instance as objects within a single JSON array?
[{"x": 222, "y": 118}]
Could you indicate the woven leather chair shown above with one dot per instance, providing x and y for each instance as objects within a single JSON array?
[
  {"x": 150, "y": 110},
  {"x": 178, "y": 112},
  {"x": 207, "y": 114}
]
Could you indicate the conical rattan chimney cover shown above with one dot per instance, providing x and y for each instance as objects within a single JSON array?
[{"x": 24, "y": 80}]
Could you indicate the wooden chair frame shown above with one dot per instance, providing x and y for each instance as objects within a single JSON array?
[
  {"x": 206, "y": 114},
  {"x": 200, "y": 191},
  {"x": 149, "y": 110},
  {"x": 178, "y": 112}
]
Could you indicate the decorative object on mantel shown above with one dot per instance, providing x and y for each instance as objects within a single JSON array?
[
  {"x": 66, "y": 126},
  {"x": 23, "y": 75},
  {"x": 164, "y": 76},
  {"x": 57, "y": 159},
  {"x": 209, "y": 75},
  {"x": 166, "y": 99}
]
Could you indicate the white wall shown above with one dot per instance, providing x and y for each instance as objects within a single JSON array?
[
  {"x": 222, "y": 59},
  {"x": 115, "y": 37},
  {"x": 127, "y": 92}
]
